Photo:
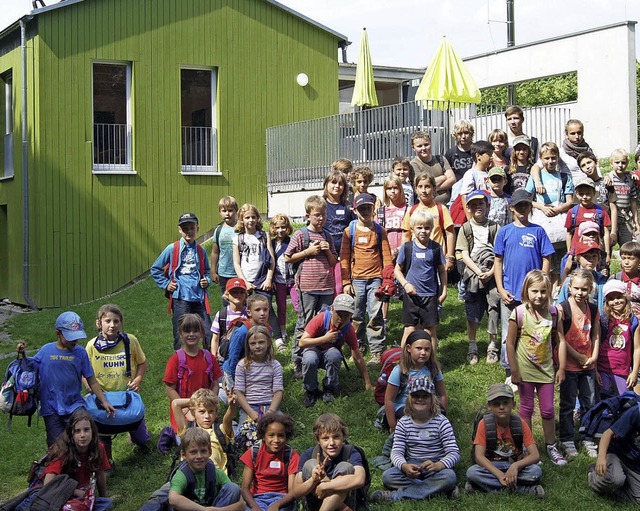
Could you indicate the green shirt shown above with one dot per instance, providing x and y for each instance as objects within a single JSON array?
[{"x": 179, "y": 483}]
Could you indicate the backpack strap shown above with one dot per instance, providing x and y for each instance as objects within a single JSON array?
[
  {"x": 222, "y": 439},
  {"x": 209, "y": 360},
  {"x": 173, "y": 264},
  {"x": 182, "y": 368},
  {"x": 515, "y": 426},
  {"x": 216, "y": 233},
  {"x": 566, "y": 316},
  {"x": 404, "y": 380},
  {"x": 574, "y": 216},
  {"x": 491, "y": 431},
  {"x": 202, "y": 257},
  {"x": 519, "y": 310},
  {"x": 467, "y": 230},
  {"x": 127, "y": 354},
  {"x": 407, "y": 249},
  {"x": 222, "y": 322},
  {"x": 493, "y": 230},
  {"x": 413, "y": 208},
  {"x": 381, "y": 215}
]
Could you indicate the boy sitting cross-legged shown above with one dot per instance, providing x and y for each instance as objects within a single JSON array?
[{"x": 498, "y": 449}]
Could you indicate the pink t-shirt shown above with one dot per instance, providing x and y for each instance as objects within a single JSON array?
[
  {"x": 393, "y": 217},
  {"x": 616, "y": 348}
]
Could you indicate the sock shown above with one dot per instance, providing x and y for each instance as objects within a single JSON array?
[
  {"x": 473, "y": 347},
  {"x": 492, "y": 345}
]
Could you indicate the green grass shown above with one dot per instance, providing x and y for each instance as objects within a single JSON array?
[{"x": 139, "y": 472}]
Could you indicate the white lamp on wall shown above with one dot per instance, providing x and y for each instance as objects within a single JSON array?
[{"x": 302, "y": 79}]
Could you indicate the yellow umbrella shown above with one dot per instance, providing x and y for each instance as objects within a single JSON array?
[
  {"x": 364, "y": 91},
  {"x": 447, "y": 78}
]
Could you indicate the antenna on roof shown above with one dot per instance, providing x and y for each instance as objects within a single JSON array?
[{"x": 35, "y": 3}]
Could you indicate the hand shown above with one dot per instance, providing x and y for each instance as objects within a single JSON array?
[
  {"x": 411, "y": 470},
  {"x": 507, "y": 297},
  {"x": 548, "y": 211},
  {"x": 614, "y": 238},
  {"x": 348, "y": 289},
  {"x": 410, "y": 289},
  {"x": 250, "y": 287},
  {"x": 215, "y": 278},
  {"x": 111, "y": 411},
  {"x": 431, "y": 466},
  {"x": 135, "y": 384},
  {"x": 601, "y": 465},
  {"x": 443, "y": 296},
  {"x": 254, "y": 416},
  {"x": 511, "y": 476},
  {"x": 540, "y": 189},
  {"x": 485, "y": 275},
  {"x": 204, "y": 283},
  {"x": 332, "y": 336},
  {"x": 172, "y": 286},
  {"x": 21, "y": 347},
  {"x": 324, "y": 245},
  {"x": 608, "y": 180},
  {"x": 632, "y": 380},
  {"x": 448, "y": 266},
  {"x": 367, "y": 386},
  {"x": 266, "y": 285},
  {"x": 314, "y": 248},
  {"x": 322, "y": 492},
  {"x": 559, "y": 376},
  {"x": 515, "y": 376},
  {"x": 318, "y": 473},
  {"x": 589, "y": 361}
]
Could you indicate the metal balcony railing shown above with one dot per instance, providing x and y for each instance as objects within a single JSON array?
[{"x": 199, "y": 150}]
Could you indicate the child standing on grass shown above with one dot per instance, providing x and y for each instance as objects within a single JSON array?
[
  {"x": 530, "y": 350},
  {"x": 424, "y": 451},
  {"x": 402, "y": 169},
  {"x": 236, "y": 296},
  {"x": 268, "y": 479},
  {"x": 118, "y": 363},
  {"x": 581, "y": 327},
  {"x": 626, "y": 195},
  {"x": 418, "y": 360},
  {"x": 259, "y": 381},
  {"x": 222, "y": 268},
  {"x": 280, "y": 230},
  {"x": 619, "y": 358}
]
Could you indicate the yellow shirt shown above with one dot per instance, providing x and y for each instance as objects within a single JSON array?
[
  {"x": 109, "y": 366},
  {"x": 437, "y": 234}
]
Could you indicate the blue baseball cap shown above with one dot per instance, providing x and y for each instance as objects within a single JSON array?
[
  {"x": 70, "y": 324},
  {"x": 477, "y": 194}
]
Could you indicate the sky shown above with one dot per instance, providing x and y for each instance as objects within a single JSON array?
[{"x": 406, "y": 33}]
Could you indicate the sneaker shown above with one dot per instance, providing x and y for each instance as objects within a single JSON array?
[
  {"x": 374, "y": 360},
  {"x": 297, "y": 370},
  {"x": 513, "y": 386},
  {"x": 555, "y": 455},
  {"x": 328, "y": 396},
  {"x": 468, "y": 488},
  {"x": 381, "y": 496},
  {"x": 492, "y": 356},
  {"x": 570, "y": 449},
  {"x": 281, "y": 346},
  {"x": 536, "y": 490},
  {"x": 472, "y": 358},
  {"x": 455, "y": 493},
  {"x": 591, "y": 447},
  {"x": 310, "y": 398}
]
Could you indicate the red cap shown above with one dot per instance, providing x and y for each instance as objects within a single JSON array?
[
  {"x": 585, "y": 245},
  {"x": 235, "y": 283}
]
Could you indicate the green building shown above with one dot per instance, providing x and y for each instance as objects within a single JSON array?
[{"x": 137, "y": 111}]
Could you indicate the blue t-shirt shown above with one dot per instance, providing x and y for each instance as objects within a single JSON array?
[
  {"x": 554, "y": 191},
  {"x": 394, "y": 379},
  {"x": 355, "y": 459},
  {"x": 339, "y": 217},
  {"x": 522, "y": 250},
  {"x": 596, "y": 297},
  {"x": 423, "y": 271},
  {"x": 626, "y": 442},
  {"x": 225, "y": 245},
  {"x": 61, "y": 373},
  {"x": 236, "y": 345}
]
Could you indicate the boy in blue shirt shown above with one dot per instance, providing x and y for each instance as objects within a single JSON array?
[
  {"x": 222, "y": 268},
  {"x": 187, "y": 279}
]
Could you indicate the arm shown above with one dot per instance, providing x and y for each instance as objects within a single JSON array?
[
  {"x": 306, "y": 341},
  {"x": 511, "y": 352},
  {"x": 157, "y": 270},
  {"x": 95, "y": 387},
  {"x": 533, "y": 456},
  {"x": 101, "y": 483},
  {"x": 507, "y": 297},
  {"x": 446, "y": 181},
  {"x": 442, "y": 271},
  {"x": 362, "y": 369},
  {"x": 342, "y": 483},
  {"x": 247, "y": 482},
  {"x": 546, "y": 265},
  {"x": 182, "y": 503},
  {"x": 482, "y": 460},
  {"x": 595, "y": 339},
  {"x": 215, "y": 256},
  {"x": 276, "y": 401},
  {"x": 634, "y": 212},
  {"x": 562, "y": 353},
  {"x": 613, "y": 207},
  {"x": 137, "y": 381},
  {"x": 537, "y": 179},
  {"x": 227, "y": 419},
  {"x": 178, "y": 405},
  {"x": 172, "y": 391},
  {"x": 390, "y": 395},
  {"x": 408, "y": 286},
  {"x": 603, "y": 447},
  {"x": 566, "y": 206},
  {"x": 244, "y": 404},
  {"x": 607, "y": 244},
  {"x": 451, "y": 247},
  {"x": 633, "y": 376}
]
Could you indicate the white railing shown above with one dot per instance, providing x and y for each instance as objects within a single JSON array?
[
  {"x": 199, "y": 150},
  {"x": 111, "y": 147}
]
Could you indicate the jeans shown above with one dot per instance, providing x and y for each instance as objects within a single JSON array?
[
  {"x": 228, "y": 494},
  {"x": 264, "y": 500},
  {"x": 282, "y": 290},
  {"x": 365, "y": 297},
  {"x": 312, "y": 359},
  {"x": 405, "y": 487},
  {"x": 581, "y": 384},
  {"x": 182, "y": 307},
  {"x": 259, "y": 408},
  {"x": 309, "y": 306},
  {"x": 273, "y": 319},
  {"x": 505, "y": 312},
  {"x": 484, "y": 480},
  {"x": 54, "y": 424}
]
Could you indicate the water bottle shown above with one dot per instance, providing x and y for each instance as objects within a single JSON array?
[{"x": 382, "y": 380}]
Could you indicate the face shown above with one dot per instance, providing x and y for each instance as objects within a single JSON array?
[
  {"x": 109, "y": 324},
  {"x": 228, "y": 215},
  {"x": 537, "y": 294},
  {"x": 204, "y": 416},
  {"x": 335, "y": 189},
  {"x": 425, "y": 191},
  {"x": 365, "y": 212},
  {"x": 422, "y": 231},
  {"x": 497, "y": 183},
  {"x": 281, "y": 230},
  {"x": 420, "y": 351},
  {"x": 585, "y": 195},
  {"x": 360, "y": 185},
  {"x": 617, "y": 302},
  {"x": 579, "y": 289},
  {"x": 339, "y": 319},
  {"x": 317, "y": 218},
  {"x": 478, "y": 209},
  {"x": 483, "y": 161},
  {"x": 421, "y": 401},
  {"x": 550, "y": 161},
  {"x": 522, "y": 152},
  {"x": 250, "y": 220},
  {"x": 191, "y": 338},
  {"x": 629, "y": 263},
  {"x": 501, "y": 407},
  {"x": 393, "y": 192},
  {"x": 188, "y": 231},
  {"x": 401, "y": 170},
  {"x": 82, "y": 435},
  {"x": 259, "y": 312},
  {"x": 275, "y": 437},
  {"x": 258, "y": 346},
  {"x": 619, "y": 165},
  {"x": 575, "y": 133},
  {"x": 237, "y": 296},
  {"x": 521, "y": 211},
  {"x": 589, "y": 260},
  {"x": 589, "y": 167},
  {"x": 514, "y": 121},
  {"x": 331, "y": 443},
  {"x": 498, "y": 146},
  {"x": 422, "y": 148},
  {"x": 64, "y": 344},
  {"x": 464, "y": 138},
  {"x": 197, "y": 456}
]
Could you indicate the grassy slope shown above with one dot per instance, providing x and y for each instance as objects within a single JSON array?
[{"x": 139, "y": 473}]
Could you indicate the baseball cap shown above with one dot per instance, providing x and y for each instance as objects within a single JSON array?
[
  {"x": 421, "y": 384},
  {"x": 584, "y": 181},
  {"x": 70, "y": 324},
  {"x": 477, "y": 194},
  {"x": 587, "y": 227},
  {"x": 497, "y": 171},
  {"x": 363, "y": 199},
  {"x": 344, "y": 303},
  {"x": 521, "y": 139},
  {"x": 614, "y": 286},
  {"x": 235, "y": 283},
  {"x": 186, "y": 218},
  {"x": 499, "y": 390},
  {"x": 584, "y": 246},
  {"x": 520, "y": 195}
]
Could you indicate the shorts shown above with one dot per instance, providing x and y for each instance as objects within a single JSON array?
[
  {"x": 420, "y": 310},
  {"x": 556, "y": 257}
]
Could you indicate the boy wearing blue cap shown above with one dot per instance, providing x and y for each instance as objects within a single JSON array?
[{"x": 61, "y": 367}]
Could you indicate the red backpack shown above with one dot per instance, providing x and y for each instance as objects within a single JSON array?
[{"x": 389, "y": 359}]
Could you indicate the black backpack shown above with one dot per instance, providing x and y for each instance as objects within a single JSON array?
[
  {"x": 225, "y": 340},
  {"x": 492, "y": 431}
]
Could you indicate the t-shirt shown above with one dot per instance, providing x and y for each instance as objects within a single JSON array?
[
  {"x": 315, "y": 328},
  {"x": 460, "y": 161},
  {"x": 616, "y": 346},
  {"x": 506, "y": 448},
  {"x": 109, "y": 366},
  {"x": 61, "y": 372},
  {"x": 579, "y": 338},
  {"x": 533, "y": 349},
  {"x": 179, "y": 484},
  {"x": 368, "y": 256},
  {"x": 250, "y": 255},
  {"x": 260, "y": 381},
  {"x": 225, "y": 246},
  {"x": 522, "y": 250},
  {"x": 604, "y": 194},
  {"x": 633, "y": 290},
  {"x": 218, "y": 455},
  {"x": 518, "y": 179},
  {"x": 316, "y": 275},
  {"x": 394, "y": 379},
  {"x": 499, "y": 210},
  {"x": 279, "y": 248},
  {"x": 409, "y": 193},
  {"x": 83, "y": 472},
  {"x": 586, "y": 214},
  {"x": 625, "y": 191},
  {"x": 626, "y": 440},
  {"x": 393, "y": 217},
  {"x": 270, "y": 472},
  {"x": 354, "y": 458},
  {"x": 189, "y": 272},
  {"x": 231, "y": 317},
  {"x": 474, "y": 179},
  {"x": 434, "y": 168},
  {"x": 481, "y": 240},
  {"x": 339, "y": 216},
  {"x": 554, "y": 193},
  {"x": 438, "y": 232},
  {"x": 423, "y": 271}
]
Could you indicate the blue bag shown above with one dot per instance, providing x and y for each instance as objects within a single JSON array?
[{"x": 129, "y": 407}]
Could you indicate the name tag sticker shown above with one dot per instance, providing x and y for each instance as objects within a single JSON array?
[
  {"x": 545, "y": 322},
  {"x": 420, "y": 255},
  {"x": 275, "y": 464},
  {"x": 362, "y": 239},
  {"x": 339, "y": 211}
]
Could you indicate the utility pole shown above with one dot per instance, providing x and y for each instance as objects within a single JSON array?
[{"x": 511, "y": 41}]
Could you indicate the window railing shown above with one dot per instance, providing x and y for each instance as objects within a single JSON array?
[
  {"x": 199, "y": 150},
  {"x": 111, "y": 147}
]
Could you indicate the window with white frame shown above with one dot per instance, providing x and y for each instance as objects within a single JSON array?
[
  {"x": 6, "y": 82},
  {"x": 112, "y": 117},
  {"x": 198, "y": 120}
]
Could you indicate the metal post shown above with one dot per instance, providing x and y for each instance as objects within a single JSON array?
[{"x": 511, "y": 41}]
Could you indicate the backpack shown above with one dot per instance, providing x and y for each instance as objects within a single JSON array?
[
  {"x": 19, "y": 394},
  {"x": 265, "y": 256},
  {"x": 360, "y": 493},
  {"x": 352, "y": 234},
  {"x": 210, "y": 482},
  {"x": 389, "y": 359},
  {"x": 130, "y": 412},
  {"x": 183, "y": 367},
  {"x": 605, "y": 413},
  {"x": 491, "y": 428},
  {"x": 170, "y": 271},
  {"x": 599, "y": 216},
  {"x": 225, "y": 340},
  {"x": 467, "y": 231}
]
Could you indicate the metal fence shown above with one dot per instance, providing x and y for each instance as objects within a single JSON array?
[
  {"x": 111, "y": 146},
  {"x": 299, "y": 155},
  {"x": 199, "y": 149}
]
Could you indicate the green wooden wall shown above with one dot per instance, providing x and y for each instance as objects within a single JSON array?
[{"x": 91, "y": 234}]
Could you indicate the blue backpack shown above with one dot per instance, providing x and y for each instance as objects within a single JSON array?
[
  {"x": 604, "y": 414},
  {"x": 130, "y": 411},
  {"x": 19, "y": 394}
]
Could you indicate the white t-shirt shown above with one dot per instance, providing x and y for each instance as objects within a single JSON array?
[{"x": 249, "y": 255}]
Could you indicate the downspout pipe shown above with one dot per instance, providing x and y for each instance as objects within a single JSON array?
[{"x": 25, "y": 168}]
